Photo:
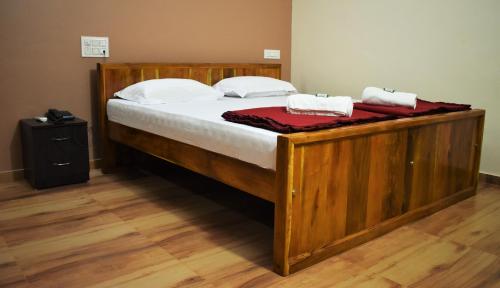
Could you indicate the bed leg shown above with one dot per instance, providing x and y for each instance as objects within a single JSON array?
[
  {"x": 283, "y": 206},
  {"x": 109, "y": 157},
  {"x": 281, "y": 243}
]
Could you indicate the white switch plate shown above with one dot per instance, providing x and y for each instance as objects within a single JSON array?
[
  {"x": 95, "y": 46},
  {"x": 272, "y": 54}
]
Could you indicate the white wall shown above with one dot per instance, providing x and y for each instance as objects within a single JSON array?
[{"x": 447, "y": 50}]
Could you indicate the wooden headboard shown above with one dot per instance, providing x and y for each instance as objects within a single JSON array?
[{"x": 114, "y": 77}]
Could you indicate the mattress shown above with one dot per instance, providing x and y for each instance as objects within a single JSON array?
[{"x": 199, "y": 123}]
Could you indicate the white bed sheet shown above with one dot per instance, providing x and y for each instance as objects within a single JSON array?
[{"x": 200, "y": 124}]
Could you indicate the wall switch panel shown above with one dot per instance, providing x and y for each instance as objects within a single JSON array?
[
  {"x": 95, "y": 46},
  {"x": 272, "y": 54}
]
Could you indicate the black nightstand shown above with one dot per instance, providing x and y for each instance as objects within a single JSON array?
[{"x": 55, "y": 154}]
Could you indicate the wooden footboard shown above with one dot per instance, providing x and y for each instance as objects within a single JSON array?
[{"x": 339, "y": 188}]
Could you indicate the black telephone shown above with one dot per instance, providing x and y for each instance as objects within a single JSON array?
[{"x": 57, "y": 116}]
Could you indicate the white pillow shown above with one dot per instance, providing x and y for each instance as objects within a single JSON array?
[
  {"x": 160, "y": 91},
  {"x": 254, "y": 86}
]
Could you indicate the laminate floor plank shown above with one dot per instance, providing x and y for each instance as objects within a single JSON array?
[
  {"x": 367, "y": 282},
  {"x": 476, "y": 229},
  {"x": 133, "y": 229},
  {"x": 132, "y": 202},
  {"x": 334, "y": 272},
  {"x": 448, "y": 220},
  {"x": 331, "y": 272},
  {"x": 217, "y": 230},
  {"x": 489, "y": 244},
  {"x": 398, "y": 243},
  {"x": 16, "y": 190},
  {"x": 102, "y": 253},
  {"x": 419, "y": 262},
  {"x": 49, "y": 215},
  {"x": 237, "y": 257},
  {"x": 405, "y": 256},
  {"x": 10, "y": 273},
  {"x": 165, "y": 274},
  {"x": 474, "y": 269}
]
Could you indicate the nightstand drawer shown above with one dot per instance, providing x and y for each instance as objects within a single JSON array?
[
  {"x": 73, "y": 135},
  {"x": 69, "y": 168},
  {"x": 59, "y": 142},
  {"x": 65, "y": 158}
]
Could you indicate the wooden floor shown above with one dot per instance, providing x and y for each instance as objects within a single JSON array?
[{"x": 139, "y": 230}]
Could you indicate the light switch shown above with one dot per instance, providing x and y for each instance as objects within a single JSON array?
[
  {"x": 95, "y": 46},
  {"x": 272, "y": 54}
]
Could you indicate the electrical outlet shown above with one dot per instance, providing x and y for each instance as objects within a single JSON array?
[
  {"x": 272, "y": 54},
  {"x": 95, "y": 46}
]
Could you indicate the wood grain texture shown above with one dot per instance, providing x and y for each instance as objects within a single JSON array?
[
  {"x": 282, "y": 207},
  {"x": 443, "y": 157},
  {"x": 163, "y": 232},
  {"x": 11, "y": 274},
  {"x": 222, "y": 168},
  {"x": 357, "y": 187},
  {"x": 386, "y": 126}
]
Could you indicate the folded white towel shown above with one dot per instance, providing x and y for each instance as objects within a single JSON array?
[
  {"x": 378, "y": 96},
  {"x": 324, "y": 106}
]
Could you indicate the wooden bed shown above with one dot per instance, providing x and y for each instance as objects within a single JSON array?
[{"x": 332, "y": 189}]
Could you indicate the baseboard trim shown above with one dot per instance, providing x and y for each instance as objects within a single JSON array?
[
  {"x": 18, "y": 174},
  {"x": 489, "y": 179},
  {"x": 11, "y": 176}
]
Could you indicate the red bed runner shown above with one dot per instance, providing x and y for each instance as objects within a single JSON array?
[
  {"x": 423, "y": 108},
  {"x": 278, "y": 120}
]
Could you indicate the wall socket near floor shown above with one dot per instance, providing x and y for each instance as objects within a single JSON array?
[
  {"x": 95, "y": 46},
  {"x": 272, "y": 54}
]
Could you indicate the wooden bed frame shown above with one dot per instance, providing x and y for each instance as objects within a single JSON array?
[{"x": 332, "y": 189}]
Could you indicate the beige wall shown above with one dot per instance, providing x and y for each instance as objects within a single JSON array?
[
  {"x": 41, "y": 66},
  {"x": 446, "y": 50}
]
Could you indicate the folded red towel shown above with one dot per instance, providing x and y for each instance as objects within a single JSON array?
[
  {"x": 423, "y": 108},
  {"x": 278, "y": 120}
]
